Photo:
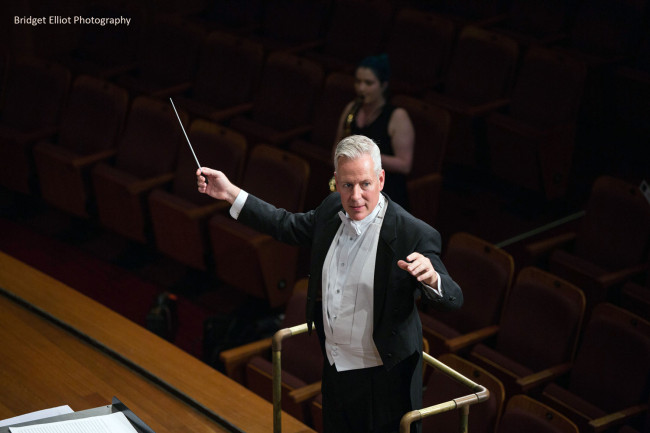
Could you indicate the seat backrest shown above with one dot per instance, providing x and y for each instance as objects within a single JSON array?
[
  {"x": 301, "y": 354},
  {"x": 170, "y": 50},
  {"x": 289, "y": 88},
  {"x": 541, "y": 320},
  {"x": 277, "y": 177},
  {"x": 540, "y": 19},
  {"x": 229, "y": 70},
  {"x": 337, "y": 92},
  {"x": 94, "y": 116},
  {"x": 419, "y": 47},
  {"x": 612, "y": 366},
  {"x": 346, "y": 39},
  {"x": 482, "y": 66},
  {"x": 548, "y": 89},
  {"x": 440, "y": 388},
  {"x": 151, "y": 139},
  {"x": 215, "y": 146},
  {"x": 484, "y": 288},
  {"x": 524, "y": 414},
  {"x": 471, "y": 10},
  {"x": 431, "y": 124},
  {"x": 34, "y": 95},
  {"x": 295, "y": 21},
  {"x": 120, "y": 45},
  {"x": 615, "y": 231}
]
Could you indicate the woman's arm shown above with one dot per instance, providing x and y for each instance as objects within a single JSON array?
[{"x": 402, "y": 136}]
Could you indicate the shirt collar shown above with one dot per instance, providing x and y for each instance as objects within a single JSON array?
[{"x": 360, "y": 226}]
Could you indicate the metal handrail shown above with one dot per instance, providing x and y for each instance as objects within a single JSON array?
[
  {"x": 480, "y": 393},
  {"x": 276, "y": 347}
]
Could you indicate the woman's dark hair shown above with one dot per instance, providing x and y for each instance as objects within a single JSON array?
[{"x": 378, "y": 65}]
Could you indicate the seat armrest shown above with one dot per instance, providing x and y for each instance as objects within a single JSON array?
[
  {"x": 305, "y": 393},
  {"x": 148, "y": 184},
  {"x": 286, "y": 136},
  {"x": 463, "y": 341},
  {"x": 541, "y": 249},
  {"x": 235, "y": 359},
  {"x": 542, "y": 377},
  {"x": 620, "y": 417},
  {"x": 619, "y": 277}
]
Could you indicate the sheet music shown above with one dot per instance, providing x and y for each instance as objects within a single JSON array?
[
  {"x": 33, "y": 416},
  {"x": 113, "y": 423}
]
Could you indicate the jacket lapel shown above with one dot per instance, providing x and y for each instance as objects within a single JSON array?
[{"x": 385, "y": 257}]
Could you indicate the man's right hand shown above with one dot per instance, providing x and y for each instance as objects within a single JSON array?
[{"x": 218, "y": 185}]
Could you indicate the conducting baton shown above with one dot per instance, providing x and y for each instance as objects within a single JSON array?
[{"x": 186, "y": 137}]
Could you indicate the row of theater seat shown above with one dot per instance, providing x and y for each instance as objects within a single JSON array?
[
  {"x": 572, "y": 377},
  {"x": 530, "y": 340},
  {"x": 91, "y": 126},
  {"x": 128, "y": 165},
  {"x": 513, "y": 107},
  {"x": 568, "y": 339}
]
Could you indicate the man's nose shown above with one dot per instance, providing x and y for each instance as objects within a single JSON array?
[{"x": 356, "y": 192}]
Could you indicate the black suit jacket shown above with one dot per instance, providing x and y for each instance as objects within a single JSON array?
[{"x": 397, "y": 328}]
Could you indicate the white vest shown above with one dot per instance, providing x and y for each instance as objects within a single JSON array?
[{"x": 348, "y": 322}]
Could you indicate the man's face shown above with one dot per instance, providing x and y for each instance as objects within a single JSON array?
[{"x": 358, "y": 185}]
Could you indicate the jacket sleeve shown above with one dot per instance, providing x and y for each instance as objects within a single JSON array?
[{"x": 452, "y": 295}]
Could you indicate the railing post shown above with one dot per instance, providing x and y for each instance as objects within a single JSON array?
[
  {"x": 480, "y": 393},
  {"x": 276, "y": 347}
]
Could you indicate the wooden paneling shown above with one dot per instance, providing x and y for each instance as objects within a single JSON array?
[{"x": 44, "y": 365}]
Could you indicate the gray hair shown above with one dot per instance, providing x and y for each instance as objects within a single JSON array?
[{"x": 355, "y": 146}]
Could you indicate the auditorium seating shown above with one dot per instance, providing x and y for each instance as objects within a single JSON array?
[
  {"x": 610, "y": 245},
  {"x": 292, "y": 25},
  {"x": 228, "y": 73},
  {"x": 91, "y": 124},
  {"x": 251, "y": 261},
  {"x": 635, "y": 297},
  {"x": 106, "y": 51},
  {"x": 628, "y": 102},
  {"x": 282, "y": 108},
  {"x": 145, "y": 159},
  {"x": 236, "y": 17},
  {"x": 477, "y": 82},
  {"x": 604, "y": 34},
  {"x": 419, "y": 47},
  {"x": 439, "y": 388},
  {"x": 538, "y": 332},
  {"x": 471, "y": 12},
  {"x": 347, "y": 41},
  {"x": 34, "y": 94},
  {"x": 608, "y": 382},
  {"x": 318, "y": 149},
  {"x": 484, "y": 291},
  {"x": 180, "y": 216},
  {"x": 301, "y": 360},
  {"x": 608, "y": 266},
  {"x": 431, "y": 124},
  {"x": 525, "y": 414},
  {"x": 531, "y": 144},
  {"x": 607, "y": 31},
  {"x": 167, "y": 59},
  {"x": 536, "y": 23}
]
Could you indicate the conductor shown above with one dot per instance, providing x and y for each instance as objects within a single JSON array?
[{"x": 370, "y": 262}]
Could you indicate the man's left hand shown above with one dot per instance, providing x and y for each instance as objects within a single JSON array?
[{"x": 421, "y": 268}]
